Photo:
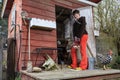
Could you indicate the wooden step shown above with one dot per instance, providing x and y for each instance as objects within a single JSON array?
[{"x": 69, "y": 74}]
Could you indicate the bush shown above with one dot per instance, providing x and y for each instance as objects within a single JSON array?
[
  {"x": 116, "y": 65},
  {"x": 118, "y": 60}
]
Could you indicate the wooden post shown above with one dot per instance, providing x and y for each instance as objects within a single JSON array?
[
  {"x": 1, "y": 55},
  {"x": 1, "y": 64}
]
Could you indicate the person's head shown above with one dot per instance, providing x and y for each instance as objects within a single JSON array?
[
  {"x": 76, "y": 14},
  {"x": 110, "y": 52}
]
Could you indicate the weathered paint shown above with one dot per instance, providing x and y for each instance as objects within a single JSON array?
[
  {"x": 39, "y": 38},
  {"x": 87, "y": 12},
  {"x": 68, "y": 74}
]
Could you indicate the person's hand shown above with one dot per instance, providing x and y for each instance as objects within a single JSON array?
[{"x": 75, "y": 45}]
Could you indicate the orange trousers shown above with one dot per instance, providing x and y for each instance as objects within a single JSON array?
[{"x": 83, "y": 45}]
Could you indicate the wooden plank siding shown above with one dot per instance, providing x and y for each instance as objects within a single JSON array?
[
  {"x": 39, "y": 9},
  {"x": 35, "y": 59},
  {"x": 39, "y": 38},
  {"x": 64, "y": 3},
  {"x": 72, "y": 4},
  {"x": 43, "y": 9}
]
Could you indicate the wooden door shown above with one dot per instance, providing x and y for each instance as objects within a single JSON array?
[{"x": 88, "y": 13}]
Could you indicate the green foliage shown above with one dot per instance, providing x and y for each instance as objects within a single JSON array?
[
  {"x": 3, "y": 29},
  {"x": 3, "y": 23},
  {"x": 118, "y": 60},
  {"x": 107, "y": 15},
  {"x": 116, "y": 65},
  {"x": 0, "y": 6},
  {"x": 107, "y": 19},
  {"x": 18, "y": 78}
]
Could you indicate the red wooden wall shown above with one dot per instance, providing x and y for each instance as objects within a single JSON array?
[
  {"x": 43, "y": 9},
  {"x": 39, "y": 38}
]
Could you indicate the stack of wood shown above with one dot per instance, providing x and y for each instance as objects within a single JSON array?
[{"x": 50, "y": 64}]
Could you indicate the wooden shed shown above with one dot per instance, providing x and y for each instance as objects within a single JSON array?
[{"x": 45, "y": 19}]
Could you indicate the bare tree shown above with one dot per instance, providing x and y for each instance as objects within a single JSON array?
[{"x": 107, "y": 15}]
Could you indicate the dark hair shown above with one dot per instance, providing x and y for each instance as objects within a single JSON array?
[{"x": 75, "y": 12}]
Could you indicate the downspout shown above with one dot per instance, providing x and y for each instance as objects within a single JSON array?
[
  {"x": 20, "y": 31},
  {"x": 29, "y": 43},
  {"x": 25, "y": 17},
  {"x": 29, "y": 64}
]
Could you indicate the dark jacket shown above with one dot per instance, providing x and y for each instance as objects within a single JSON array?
[{"x": 79, "y": 27}]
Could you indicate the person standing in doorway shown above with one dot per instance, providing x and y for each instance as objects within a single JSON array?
[{"x": 80, "y": 39}]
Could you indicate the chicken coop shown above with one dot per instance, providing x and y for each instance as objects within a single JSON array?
[{"x": 36, "y": 26}]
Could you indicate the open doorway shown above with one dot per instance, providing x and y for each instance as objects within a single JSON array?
[{"x": 62, "y": 14}]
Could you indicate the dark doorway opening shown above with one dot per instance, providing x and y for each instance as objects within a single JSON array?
[
  {"x": 62, "y": 14},
  {"x": 11, "y": 59}
]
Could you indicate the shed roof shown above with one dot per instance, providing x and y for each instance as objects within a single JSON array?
[
  {"x": 95, "y": 1},
  {"x": 7, "y": 5}
]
